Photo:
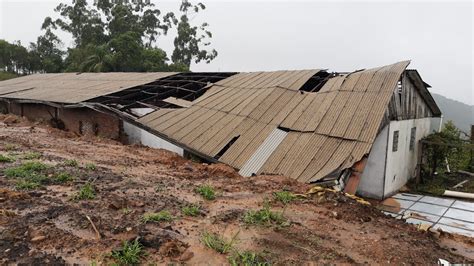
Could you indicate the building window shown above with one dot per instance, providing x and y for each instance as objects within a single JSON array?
[
  {"x": 412, "y": 138},
  {"x": 395, "y": 141}
]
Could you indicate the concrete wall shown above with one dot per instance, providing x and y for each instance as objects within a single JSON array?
[
  {"x": 371, "y": 182},
  {"x": 401, "y": 164},
  {"x": 137, "y": 135},
  {"x": 387, "y": 170}
]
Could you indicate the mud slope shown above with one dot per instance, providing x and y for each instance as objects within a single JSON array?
[{"x": 46, "y": 222}]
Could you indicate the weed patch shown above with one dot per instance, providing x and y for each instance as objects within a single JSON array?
[
  {"x": 91, "y": 166},
  {"x": 130, "y": 253},
  {"x": 162, "y": 216},
  {"x": 32, "y": 156},
  {"x": 63, "y": 177},
  {"x": 248, "y": 258},
  {"x": 10, "y": 147},
  {"x": 27, "y": 185},
  {"x": 206, "y": 191},
  {"x": 284, "y": 197},
  {"x": 26, "y": 169},
  {"x": 217, "y": 242},
  {"x": 86, "y": 192},
  {"x": 264, "y": 216},
  {"x": 6, "y": 159},
  {"x": 191, "y": 210},
  {"x": 71, "y": 163}
]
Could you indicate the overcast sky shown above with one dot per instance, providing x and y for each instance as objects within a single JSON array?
[{"x": 338, "y": 35}]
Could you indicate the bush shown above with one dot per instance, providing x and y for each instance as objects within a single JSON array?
[
  {"x": 191, "y": 210},
  {"x": 284, "y": 197}
]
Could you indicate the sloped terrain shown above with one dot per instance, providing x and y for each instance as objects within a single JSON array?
[{"x": 68, "y": 199}]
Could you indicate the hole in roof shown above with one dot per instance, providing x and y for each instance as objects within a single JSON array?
[
  {"x": 316, "y": 82},
  {"x": 226, "y": 147},
  {"x": 175, "y": 91}
]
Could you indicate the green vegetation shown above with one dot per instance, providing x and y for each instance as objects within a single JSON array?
[
  {"x": 91, "y": 166},
  {"x": 63, "y": 177},
  {"x": 29, "y": 169},
  {"x": 191, "y": 210},
  {"x": 27, "y": 185},
  {"x": 86, "y": 192},
  {"x": 7, "y": 75},
  {"x": 71, "y": 163},
  {"x": 217, "y": 242},
  {"x": 130, "y": 253},
  {"x": 32, "y": 156},
  {"x": 264, "y": 216},
  {"x": 206, "y": 191},
  {"x": 6, "y": 159},
  {"x": 10, "y": 147},
  {"x": 162, "y": 216},
  {"x": 248, "y": 258},
  {"x": 111, "y": 36},
  {"x": 284, "y": 197}
]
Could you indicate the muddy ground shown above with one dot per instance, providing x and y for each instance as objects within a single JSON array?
[{"x": 49, "y": 223}]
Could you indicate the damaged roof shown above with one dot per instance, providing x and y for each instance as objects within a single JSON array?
[
  {"x": 73, "y": 87},
  {"x": 262, "y": 122}
]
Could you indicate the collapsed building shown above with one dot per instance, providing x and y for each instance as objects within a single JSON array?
[{"x": 359, "y": 130}]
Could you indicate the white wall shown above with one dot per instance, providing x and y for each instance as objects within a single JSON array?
[
  {"x": 137, "y": 135},
  {"x": 387, "y": 171},
  {"x": 401, "y": 164},
  {"x": 371, "y": 182}
]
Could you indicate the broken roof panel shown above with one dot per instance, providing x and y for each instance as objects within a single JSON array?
[{"x": 73, "y": 87}]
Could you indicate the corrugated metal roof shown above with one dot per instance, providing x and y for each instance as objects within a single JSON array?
[
  {"x": 263, "y": 152},
  {"x": 73, "y": 87},
  {"x": 328, "y": 130}
]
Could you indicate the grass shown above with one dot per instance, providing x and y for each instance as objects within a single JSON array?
[
  {"x": 284, "y": 197},
  {"x": 63, "y": 177},
  {"x": 191, "y": 210},
  {"x": 29, "y": 174},
  {"x": 206, "y": 191},
  {"x": 264, "y": 216},
  {"x": 71, "y": 163},
  {"x": 130, "y": 253},
  {"x": 26, "y": 169},
  {"x": 32, "y": 156},
  {"x": 217, "y": 242},
  {"x": 10, "y": 147},
  {"x": 7, "y": 75},
  {"x": 162, "y": 216},
  {"x": 91, "y": 166},
  {"x": 27, "y": 185},
  {"x": 6, "y": 159},
  {"x": 248, "y": 258},
  {"x": 86, "y": 192}
]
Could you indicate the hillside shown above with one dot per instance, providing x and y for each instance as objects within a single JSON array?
[
  {"x": 68, "y": 200},
  {"x": 460, "y": 113}
]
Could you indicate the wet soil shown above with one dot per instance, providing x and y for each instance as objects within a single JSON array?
[{"x": 48, "y": 226}]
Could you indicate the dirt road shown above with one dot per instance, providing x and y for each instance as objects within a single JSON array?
[{"x": 81, "y": 198}]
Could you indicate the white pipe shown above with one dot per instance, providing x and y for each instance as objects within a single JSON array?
[{"x": 458, "y": 194}]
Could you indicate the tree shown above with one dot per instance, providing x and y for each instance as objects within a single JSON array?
[
  {"x": 190, "y": 39},
  {"x": 122, "y": 36}
]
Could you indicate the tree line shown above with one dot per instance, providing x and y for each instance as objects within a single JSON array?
[{"x": 112, "y": 36}]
